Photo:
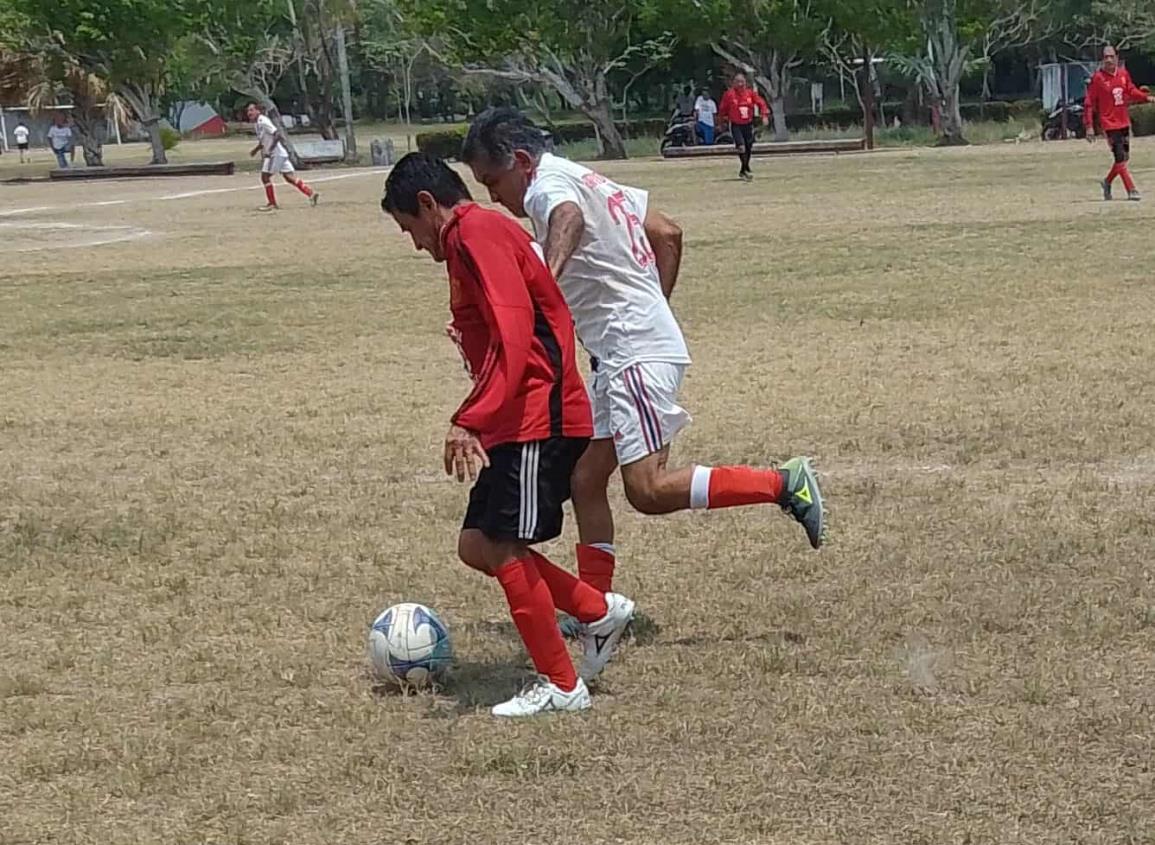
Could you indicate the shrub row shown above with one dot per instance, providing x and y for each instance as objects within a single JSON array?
[{"x": 446, "y": 143}]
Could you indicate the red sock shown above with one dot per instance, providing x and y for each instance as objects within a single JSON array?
[
  {"x": 1125, "y": 172},
  {"x": 303, "y": 188},
  {"x": 730, "y": 487},
  {"x": 533, "y": 611},
  {"x": 580, "y": 600},
  {"x": 596, "y": 567},
  {"x": 270, "y": 193},
  {"x": 1114, "y": 172}
]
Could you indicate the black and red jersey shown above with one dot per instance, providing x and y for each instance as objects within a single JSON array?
[{"x": 515, "y": 332}]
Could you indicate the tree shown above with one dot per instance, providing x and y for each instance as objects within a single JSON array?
[
  {"x": 579, "y": 48},
  {"x": 765, "y": 39},
  {"x": 958, "y": 35},
  {"x": 249, "y": 46},
  {"x": 391, "y": 45},
  {"x": 126, "y": 43},
  {"x": 861, "y": 30}
]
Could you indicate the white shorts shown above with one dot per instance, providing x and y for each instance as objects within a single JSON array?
[
  {"x": 638, "y": 408},
  {"x": 277, "y": 164}
]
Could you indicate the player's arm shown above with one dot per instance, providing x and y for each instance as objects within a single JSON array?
[
  {"x": 508, "y": 311},
  {"x": 1137, "y": 94},
  {"x": 566, "y": 225},
  {"x": 724, "y": 107},
  {"x": 665, "y": 237}
]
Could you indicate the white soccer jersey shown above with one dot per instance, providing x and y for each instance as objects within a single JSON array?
[
  {"x": 21, "y": 133},
  {"x": 611, "y": 281},
  {"x": 267, "y": 136}
]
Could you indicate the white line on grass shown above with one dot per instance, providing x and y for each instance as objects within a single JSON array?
[{"x": 123, "y": 233}]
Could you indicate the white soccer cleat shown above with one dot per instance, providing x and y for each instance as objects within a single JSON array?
[
  {"x": 601, "y": 638},
  {"x": 544, "y": 697}
]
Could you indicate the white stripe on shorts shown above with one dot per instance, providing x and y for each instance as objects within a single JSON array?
[{"x": 527, "y": 524}]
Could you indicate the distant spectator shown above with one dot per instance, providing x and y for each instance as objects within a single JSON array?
[
  {"x": 60, "y": 140},
  {"x": 705, "y": 110},
  {"x": 21, "y": 132},
  {"x": 684, "y": 105}
]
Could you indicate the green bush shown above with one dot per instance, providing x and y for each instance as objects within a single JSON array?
[
  {"x": 1143, "y": 119},
  {"x": 995, "y": 110},
  {"x": 169, "y": 138},
  {"x": 1031, "y": 109},
  {"x": 445, "y": 143}
]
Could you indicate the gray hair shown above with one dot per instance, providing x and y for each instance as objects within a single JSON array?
[{"x": 497, "y": 133}]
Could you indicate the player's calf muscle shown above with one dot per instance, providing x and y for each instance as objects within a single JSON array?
[{"x": 654, "y": 490}]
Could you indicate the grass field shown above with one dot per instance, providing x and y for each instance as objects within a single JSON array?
[{"x": 219, "y": 449}]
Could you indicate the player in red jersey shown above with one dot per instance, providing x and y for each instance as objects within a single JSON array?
[
  {"x": 522, "y": 428},
  {"x": 738, "y": 110},
  {"x": 1109, "y": 93}
]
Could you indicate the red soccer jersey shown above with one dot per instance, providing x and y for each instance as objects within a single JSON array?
[
  {"x": 738, "y": 106},
  {"x": 1110, "y": 94},
  {"x": 515, "y": 333}
]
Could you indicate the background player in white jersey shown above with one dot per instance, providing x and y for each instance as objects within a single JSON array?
[
  {"x": 21, "y": 132},
  {"x": 276, "y": 158},
  {"x": 616, "y": 260}
]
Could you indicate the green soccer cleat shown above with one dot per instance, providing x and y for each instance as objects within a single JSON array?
[{"x": 803, "y": 500}]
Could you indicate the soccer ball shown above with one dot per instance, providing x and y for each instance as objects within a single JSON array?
[{"x": 409, "y": 646}]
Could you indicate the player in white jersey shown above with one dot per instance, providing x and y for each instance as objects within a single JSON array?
[
  {"x": 617, "y": 259},
  {"x": 21, "y": 132},
  {"x": 276, "y": 159}
]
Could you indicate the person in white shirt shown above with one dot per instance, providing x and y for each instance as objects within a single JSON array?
[
  {"x": 276, "y": 159},
  {"x": 705, "y": 110},
  {"x": 60, "y": 140},
  {"x": 21, "y": 134},
  {"x": 616, "y": 259}
]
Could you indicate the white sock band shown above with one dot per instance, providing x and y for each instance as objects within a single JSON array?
[
  {"x": 608, "y": 548},
  {"x": 700, "y": 488}
]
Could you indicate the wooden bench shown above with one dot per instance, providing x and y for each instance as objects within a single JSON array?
[
  {"x": 320, "y": 152},
  {"x": 846, "y": 145},
  {"x": 208, "y": 168}
]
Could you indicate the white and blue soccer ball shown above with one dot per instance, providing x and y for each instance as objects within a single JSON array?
[{"x": 409, "y": 646}]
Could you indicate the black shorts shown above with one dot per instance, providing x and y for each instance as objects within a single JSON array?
[
  {"x": 519, "y": 496},
  {"x": 1120, "y": 141},
  {"x": 22, "y": 147}
]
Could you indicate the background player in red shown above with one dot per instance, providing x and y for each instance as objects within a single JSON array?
[
  {"x": 522, "y": 428},
  {"x": 738, "y": 110},
  {"x": 1109, "y": 93}
]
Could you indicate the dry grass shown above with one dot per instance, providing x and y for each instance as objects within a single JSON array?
[{"x": 218, "y": 461}]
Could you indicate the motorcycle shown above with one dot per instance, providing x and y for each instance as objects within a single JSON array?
[
  {"x": 1053, "y": 125},
  {"x": 682, "y": 131}
]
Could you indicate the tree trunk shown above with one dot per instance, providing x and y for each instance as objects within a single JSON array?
[
  {"x": 778, "y": 113},
  {"x": 866, "y": 95},
  {"x": 610, "y": 142},
  {"x": 952, "y": 133},
  {"x": 140, "y": 99}
]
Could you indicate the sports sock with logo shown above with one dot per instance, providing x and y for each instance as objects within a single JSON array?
[
  {"x": 729, "y": 487},
  {"x": 271, "y": 194},
  {"x": 534, "y": 614},
  {"x": 581, "y": 600}
]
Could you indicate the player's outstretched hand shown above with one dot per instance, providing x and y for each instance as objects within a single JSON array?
[
  {"x": 464, "y": 455},
  {"x": 1091, "y": 136}
]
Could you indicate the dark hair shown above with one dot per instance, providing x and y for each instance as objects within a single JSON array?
[
  {"x": 688, "y": 89},
  {"x": 497, "y": 132},
  {"x": 419, "y": 172}
]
